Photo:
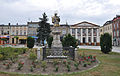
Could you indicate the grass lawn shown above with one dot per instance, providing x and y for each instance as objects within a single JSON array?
[{"x": 109, "y": 66}]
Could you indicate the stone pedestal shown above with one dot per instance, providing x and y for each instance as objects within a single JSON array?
[
  {"x": 56, "y": 44},
  {"x": 56, "y": 37}
]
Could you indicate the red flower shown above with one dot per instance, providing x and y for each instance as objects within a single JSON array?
[
  {"x": 88, "y": 57},
  {"x": 22, "y": 63},
  {"x": 94, "y": 57}
]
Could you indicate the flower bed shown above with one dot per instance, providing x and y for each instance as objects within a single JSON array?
[{"x": 24, "y": 64}]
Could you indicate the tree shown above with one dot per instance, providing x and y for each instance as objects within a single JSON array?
[
  {"x": 106, "y": 43},
  {"x": 4, "y": 39},
  {"x": 30, "y": 42},
  {"x": 43, "y": 29},
  {"x": 68, "y": 41},
  {"x": 49, "y": 41}
]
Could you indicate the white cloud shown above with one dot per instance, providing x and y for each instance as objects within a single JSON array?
[{"x": 70, "y": 10}]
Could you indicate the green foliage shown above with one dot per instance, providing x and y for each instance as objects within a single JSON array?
[
  {"x": 55, "y": 62},
  {"x": 44, "y": 65},
  {"x": 76, "y": 64},
  {"x": 68, "y": 67},
  {"x": 30, "y": 42},
  {"x": 49, "y": 41},
  {"x": 32, "y": 56},
  {"x": 43, "y": 29},
  {"x": 20, "y": 65},
  {"x": 56, "y": 69},
  {"x": 1, "y": 57},
  {"x": 31, "y": 68},
  {"x": 68, "y": 41},
  {"x": 84, "y": 65},
  {"x": 11, "y": 53},
  {"x": 106, "y": 43}
]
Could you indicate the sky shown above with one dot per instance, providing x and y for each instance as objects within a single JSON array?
[{"x": 70, "y": 11}]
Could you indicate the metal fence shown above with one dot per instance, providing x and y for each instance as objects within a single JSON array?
[{"x": 58, "y": 53}]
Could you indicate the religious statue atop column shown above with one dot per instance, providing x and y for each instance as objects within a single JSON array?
[{"x": 55, "y": 20}]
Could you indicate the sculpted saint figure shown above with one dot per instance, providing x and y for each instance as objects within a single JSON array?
[{"x": 55, "y": 20}]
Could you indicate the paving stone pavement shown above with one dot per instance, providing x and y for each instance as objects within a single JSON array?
[{"x": 114, "y": 49}]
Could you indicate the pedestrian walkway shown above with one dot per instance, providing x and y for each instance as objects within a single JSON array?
[{"x": 114, "y": 49}]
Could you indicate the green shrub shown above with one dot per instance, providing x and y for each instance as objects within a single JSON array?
[
  {"x": 44, "y": 65},
  {"x": 55, "y": 62},
  {"x": 30, "y": 42},
  {"x": 31, "y": 68},
  {"x": 68, "y": 41},
  {"x": 32, "y": 56},
  {"x": 76, "y": 64},
  {"x": 106, "y": 43},
  {"x": 68, "y": 67},
  {"x": 56, "y": 69},
  {"x": 84, "y": 65},
  {"x": 1, "y": 57}
]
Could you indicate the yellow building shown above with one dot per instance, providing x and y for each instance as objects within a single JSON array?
[{"x": 18, "y": 34}]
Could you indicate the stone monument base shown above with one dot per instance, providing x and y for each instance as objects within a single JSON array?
[{"x": 56, "y": 44}]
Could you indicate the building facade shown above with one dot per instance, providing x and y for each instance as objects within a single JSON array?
[
  {"x": 4, "y": 34},
  {"x": 101, "y": 30},
  {"x": 116, "y": 30},
  {"x": 64, "y": 28},
  {"x": 18, "y": 34},
  {"x": 107, "y": 28},
  {"x": 87, "y": 33}
]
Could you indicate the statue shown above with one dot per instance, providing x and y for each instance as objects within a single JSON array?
[{"x": 55, "y": 20}]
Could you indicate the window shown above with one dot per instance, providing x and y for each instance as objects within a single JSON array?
[
  {"x": 114, "y": 33},
  {"x": 89, "y": 32},
  {"x": 95, "y": 31},
  {"x": 20, "y": 32},
  {"x": 8, "y": 32},
  {"x": 63, "y": 31},
  {"x": 117, "y": 25},
  {"x": 118, "y": 33},
  {"x": 16, "y": 32},
  {"x": 114, "y": 26},
  {"x": 13, "y": 32},
  {"x": 73, "y": 31},
  {"x": 94, "y": 39},
  {"x": 78, "y": 31},
  {"x": 84, "y": 31},
  {"x": 2, "y": 32},
  {"x": 89, "y": 39},
  {"x": 24, "y": 32}
]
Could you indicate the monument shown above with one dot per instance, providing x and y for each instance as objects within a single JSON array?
[
  {"x": 56, "y": 48},
  {"x": 56, "y": 31}
]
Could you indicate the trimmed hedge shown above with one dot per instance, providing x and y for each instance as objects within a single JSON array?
[{"x": 9, "y": 52}]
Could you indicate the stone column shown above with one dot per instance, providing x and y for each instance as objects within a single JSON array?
[
  {"x": 87, "y": 36},
  {"x": 98, "y": 37},
  {"x": 81, "y": 39},
  {"x": 92, "y": 38},
  {"x": 76, "y": 35}
]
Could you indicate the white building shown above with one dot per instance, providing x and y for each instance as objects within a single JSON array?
[{"x": 87, "y": 33}]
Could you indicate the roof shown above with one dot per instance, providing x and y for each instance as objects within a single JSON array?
[
  {"x": 85, "y": 24},
  {"x": 108, "y": 22},
  {"x": 32, "y": 22},
  {"x": 61, "y": 25},
  {"x": 17, "y": 25}
]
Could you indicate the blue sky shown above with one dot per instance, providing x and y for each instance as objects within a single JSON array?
[{"x": 72, "y": 11}]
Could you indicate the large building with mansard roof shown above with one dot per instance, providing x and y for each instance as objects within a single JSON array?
[{"x": 87, "y": 33}]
